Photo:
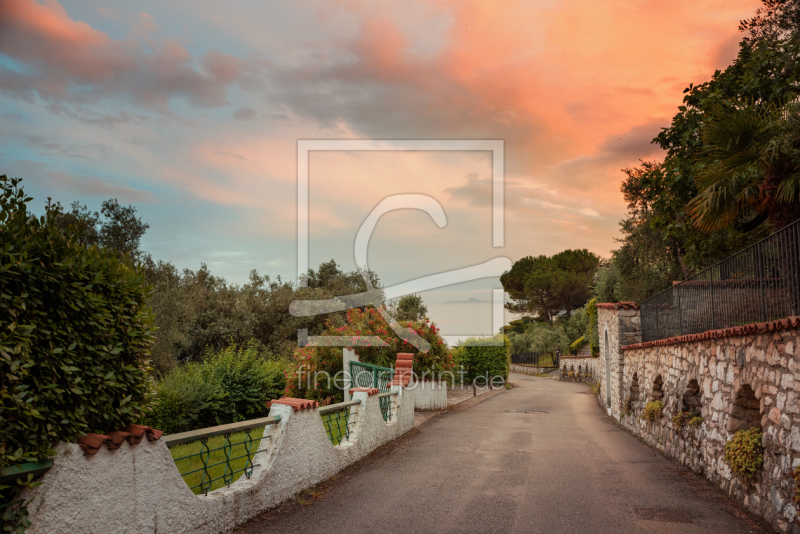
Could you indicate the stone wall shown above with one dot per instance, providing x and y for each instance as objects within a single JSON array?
[
  {"x": 583, "y": 369},
  {"x": 734, "y": 379},
  {"x": 743, "y": 381},
  {"x": 530, "y": 369},
  {"x": 618, "y": 324}
]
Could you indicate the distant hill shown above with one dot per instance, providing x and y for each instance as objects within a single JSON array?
[{"x": 473, "y": 300}]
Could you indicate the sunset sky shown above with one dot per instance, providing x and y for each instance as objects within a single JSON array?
[{"x": 191, "y": 111}]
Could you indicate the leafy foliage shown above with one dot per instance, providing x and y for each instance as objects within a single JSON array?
[
  {"x": 409, "y": 308},
  {"x": 73, "y": 354},
  {"x": 691, "y": 419},
  {"x": 744, "y": 452},
  {"x": 479, "y": 357},
  {"x": 553, "y": 285},
  {"x": 196, "y": 310},
  {"x": 653, "y": 410},
  {"x": 120, "y": 229},
  {"x": 230, "y": 385},
  {"x": 312, "y": 373},
  {"x": 74, "y": 344}
]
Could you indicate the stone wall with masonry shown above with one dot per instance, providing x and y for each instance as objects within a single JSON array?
[{"x": 734, "y": 379}]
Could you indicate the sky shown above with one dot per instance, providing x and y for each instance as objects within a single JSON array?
[{"x": 191, "y": 110}]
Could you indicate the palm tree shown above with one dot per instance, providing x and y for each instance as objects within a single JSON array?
[{"x": 749, "y": 162}]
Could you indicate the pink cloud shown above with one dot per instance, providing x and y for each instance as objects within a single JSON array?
[{"x": 67, "y": 60}]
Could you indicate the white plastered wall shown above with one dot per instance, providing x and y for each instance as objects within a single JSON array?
[{"x": 137, "y": 488}]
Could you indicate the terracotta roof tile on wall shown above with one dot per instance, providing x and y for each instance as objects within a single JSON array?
[
  {"x": 133, "y": 434},
  {"x": 403, "y": 369},
  {"x": 618, "y": 305},
  {"x": 368, "y": 391},
  {"x": 297, "y": 404},
  {"x": 754, "y": 328}
]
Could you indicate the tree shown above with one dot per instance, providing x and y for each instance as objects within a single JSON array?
[
  {"x": 551, "y": 285},
  {"x": 119, "y": 230},
  {"x": 749, "y": 161},
  {"x": 197, "y": 311},
  {"x": 410, "y": 308}
]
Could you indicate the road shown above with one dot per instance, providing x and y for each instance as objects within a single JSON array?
[{"x": 541, "y": 457}]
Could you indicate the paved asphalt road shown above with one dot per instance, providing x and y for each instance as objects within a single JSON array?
[{"x": 562, "y": 467}]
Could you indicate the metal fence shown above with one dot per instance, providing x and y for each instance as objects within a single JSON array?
[
  {"x": 339, "y": 420},
  {"x": 210, "y": 458},
  {"x": 536, "y": 359},
  {"x": 758, "y": 284},
  {"x": 366, "y": 375}
]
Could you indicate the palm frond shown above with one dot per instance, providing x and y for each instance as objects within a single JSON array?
[{"x": 789, "y": 188}]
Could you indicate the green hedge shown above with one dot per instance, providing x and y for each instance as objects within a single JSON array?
[
  {"x": 230, "y": 385},
  {"x": 478, "y": 356},
  {"x": 74, "y": 339}
]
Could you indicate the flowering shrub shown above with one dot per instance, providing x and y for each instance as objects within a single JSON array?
[{"x": 311, "y": 363}]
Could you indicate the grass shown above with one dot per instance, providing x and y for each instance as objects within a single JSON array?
[
  {"x": 194, "y": 462},
  {"x": 335, "y": 424}
]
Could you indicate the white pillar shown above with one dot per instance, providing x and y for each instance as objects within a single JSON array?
[{"x": 348, "y": 356}]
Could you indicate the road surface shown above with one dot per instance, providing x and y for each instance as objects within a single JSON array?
[{"x": 541, "y": 457}]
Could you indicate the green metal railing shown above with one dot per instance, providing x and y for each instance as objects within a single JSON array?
[
  {"x": 339, "y": 420},
  {"x": 220, "y": 458},
  {"x": 366, "y": 375},
  {"x": 387, "y": 402},
  {"x": 10, "y": 473}
]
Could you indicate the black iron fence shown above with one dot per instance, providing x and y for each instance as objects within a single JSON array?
[
  {"x": 536, "y": 359},
  {"x": 761, "y": 283}
]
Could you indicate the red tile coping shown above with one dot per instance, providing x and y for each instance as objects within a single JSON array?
[
  {"x": 403, "y": 369},
  {"x": 297, "y": 404},
  {"x": 618, "y": 306},
  {"x": 368, "y": 391},
  {"x": 133, "y": 434},
  {"x": 754, "y": 328}
]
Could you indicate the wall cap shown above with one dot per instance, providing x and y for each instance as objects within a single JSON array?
[{"x": 754, "y": 328}]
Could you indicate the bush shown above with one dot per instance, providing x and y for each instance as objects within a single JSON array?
[
  {"x": 74, "y": 346},
  {"x": 744, "y": 452},
  {"x": 74, "y": 341},
  {"x": 308, "y": 361},
  {"x": 687, "y": 419},
  {"x": 231, "y": 385},
  {"x": 481, "y": 357},
  {"x": 653, "y": 410}
]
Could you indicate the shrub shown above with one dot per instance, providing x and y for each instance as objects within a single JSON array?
[
  {"x": 230, "y": 385},
  {"x": 184, "y": 400},
  {"x": 653, "y": 410},
  {"x": 628, "y": 406},
  {"x": 686, "y": 419},
  {"x": 73, "y": 349},
  {"x": 309, "y": 361},
  {"x": 596, "y": 388},
  {"x": 74, "y": 340},
  {"x": 594, "y": 330},
  {"x": 484, "y": 357},
  {"x": 744, "y": 452}
]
